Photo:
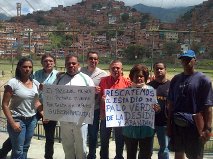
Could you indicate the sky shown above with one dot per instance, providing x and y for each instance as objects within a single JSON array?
[{"x": 8, "y": 7}]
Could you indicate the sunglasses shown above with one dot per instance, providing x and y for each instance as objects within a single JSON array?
[
  {"x": 186, "y": 58},
  {"x": 92, "y": 58},
  {"x": 45, "y": 61},
  {"x": 73, "y": 63}
]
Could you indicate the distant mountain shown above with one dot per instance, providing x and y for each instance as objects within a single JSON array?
[
  {"x": 165, "y": 15},
  {"x": 4, "y": 17},
  {"x": 199, "y": 14}
]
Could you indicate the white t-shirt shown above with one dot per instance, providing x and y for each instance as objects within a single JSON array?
[
  {"x": 80, "y": 79},
  {"x": 23, "y": 98}
]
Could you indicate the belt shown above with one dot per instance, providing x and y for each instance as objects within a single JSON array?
[{"x": 23, "y": 117}]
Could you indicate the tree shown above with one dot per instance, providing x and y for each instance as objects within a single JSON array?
[
  {"x": 134, "y": 52},
  {"x": 133, "y": 10},
  {"x": 144, "y": 20},
  {"x": 171, "y": 48},
  {"x": 196, "y": 47},
  {"x": 56, "y": 41},
  {"x": 125, "y": 17},
  {"x": 210, "y": 53},
  {"x": 96, "y": 6}
]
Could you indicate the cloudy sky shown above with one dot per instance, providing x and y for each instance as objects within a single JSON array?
[{"x": 8, "y": 7}]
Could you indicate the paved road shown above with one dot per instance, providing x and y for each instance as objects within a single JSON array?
[{"x": 36, "y": 150}]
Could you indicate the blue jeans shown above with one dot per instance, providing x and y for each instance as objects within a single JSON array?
[
  {"x": 49, "y": 135},
  {"x": 119, "y": 141},
  {"x": 163, "y": 141},
  {"x": 21, "y": 140},
  {"x": 93, "y": 135}
]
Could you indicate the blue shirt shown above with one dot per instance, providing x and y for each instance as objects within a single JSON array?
[
  {"x": 190, "y": 93},
  {"x": 43, "y": 78}
]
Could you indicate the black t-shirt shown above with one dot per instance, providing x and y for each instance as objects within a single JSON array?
[{"x": 162, "y": 90}]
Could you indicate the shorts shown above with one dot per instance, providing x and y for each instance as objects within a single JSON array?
[{"x": 186, "y": 139}]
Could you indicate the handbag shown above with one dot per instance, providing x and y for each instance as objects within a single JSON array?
[{"x": 183, "y": 119}]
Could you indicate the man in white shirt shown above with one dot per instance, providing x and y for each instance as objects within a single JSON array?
[
  {"x": 95, "y": 74},
  {"x": 74, "y": 135}
]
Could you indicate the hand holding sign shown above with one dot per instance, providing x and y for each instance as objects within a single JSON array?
[
  {"x": 156, "y": 108},
  {"x": 69, "y": 103},
  {"x": 131, "y": 106}
]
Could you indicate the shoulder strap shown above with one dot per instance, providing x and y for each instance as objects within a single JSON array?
[
  {"x": 36, "y": 84},
  {"x": 60, "y": 77},
  {"x": 84, "y": 79}
]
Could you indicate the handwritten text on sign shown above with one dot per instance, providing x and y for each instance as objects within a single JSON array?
[
  {"x": 131, "y": 106},
  {"x": 69, "y": 103}
]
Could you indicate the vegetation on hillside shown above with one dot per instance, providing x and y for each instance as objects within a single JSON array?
[{"x": 164, "y": 14}]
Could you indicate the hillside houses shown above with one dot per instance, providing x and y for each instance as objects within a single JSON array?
[{"x": 107, "y": 26}]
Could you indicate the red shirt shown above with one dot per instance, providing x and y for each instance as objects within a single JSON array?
[{"x": 109, "y": 82}]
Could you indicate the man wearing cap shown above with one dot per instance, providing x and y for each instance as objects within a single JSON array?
[{"x": 190, "y": 95}]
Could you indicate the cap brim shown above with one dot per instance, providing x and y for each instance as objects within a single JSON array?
[{"x": 186, "y": 56}]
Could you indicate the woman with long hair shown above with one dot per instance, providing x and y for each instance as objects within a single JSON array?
[{"x": 20, "y": 104}]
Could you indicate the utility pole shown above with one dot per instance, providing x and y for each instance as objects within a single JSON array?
[
  {"x": 116, "y": 42},
  {"x": 152, "y": 61},
  {"x": 189, "y": 38},
  {"x": 83, "y": 49},
  {"x": 29, "y": 35},
  {"x": 12, "y": 59}
]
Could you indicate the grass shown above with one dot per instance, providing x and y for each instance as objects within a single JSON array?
[{"x": 8, "y": 69}]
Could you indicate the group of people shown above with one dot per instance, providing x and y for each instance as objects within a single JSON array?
[{"x": 179, "y": 102}]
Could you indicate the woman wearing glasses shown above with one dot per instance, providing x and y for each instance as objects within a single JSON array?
[
  {"x": 47, "y": 75},
  {"x": 141, "y": 136}
]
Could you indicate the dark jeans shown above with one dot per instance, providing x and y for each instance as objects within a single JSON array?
[
  {"x": 145, "y": 147},
  {"x": 105, "y": 135},
  {"x": 49, "y": 135},
  {"x": 6, "y": 148},
  {"x": 49, "y": 129},
  {"x": 93, "y": 135}
]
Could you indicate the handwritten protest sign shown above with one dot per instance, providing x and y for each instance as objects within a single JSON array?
[
  {"x": 131, "y": 106},
  {"x": 69, "y": 103}
]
